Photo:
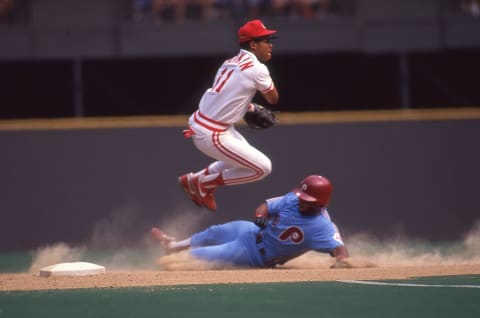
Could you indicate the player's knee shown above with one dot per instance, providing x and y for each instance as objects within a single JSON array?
[
  {"x": 209, "y": 236},
  {"x": 213, "y": 230},
  {"x": 266, "y": 168}
]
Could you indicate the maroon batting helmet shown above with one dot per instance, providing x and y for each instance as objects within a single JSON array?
[{"x": 315, "y": 189}]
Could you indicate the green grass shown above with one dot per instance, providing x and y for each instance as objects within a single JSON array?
[{"x": 312, "y": 299}]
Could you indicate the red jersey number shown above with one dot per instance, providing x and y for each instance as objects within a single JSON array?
[
  {"x": 242, "y": 61},
  {"x": 222, "y": 79}
]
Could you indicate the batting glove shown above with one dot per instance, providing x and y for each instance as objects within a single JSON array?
[{"x": 260, "y": 221}]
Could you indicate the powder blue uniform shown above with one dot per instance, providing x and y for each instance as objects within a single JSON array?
[{"x": 288, "y": 234}]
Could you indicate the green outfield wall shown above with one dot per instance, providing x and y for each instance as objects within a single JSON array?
[{"x": 416, "y": 177}]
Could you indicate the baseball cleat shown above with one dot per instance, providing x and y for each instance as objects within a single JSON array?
[
  {"x": 208, "y": 201},
  {"x": 185, "y": 182},
  {"x": 164, "y": 239},
  {"x": 205, "y": 196}
]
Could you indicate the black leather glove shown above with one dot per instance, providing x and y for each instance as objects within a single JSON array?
[
  {"x": 260, "y": 117},
  {"x": 260, "y": 221}
]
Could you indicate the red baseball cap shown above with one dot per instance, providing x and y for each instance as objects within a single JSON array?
[{"x": 253, "y": 29}]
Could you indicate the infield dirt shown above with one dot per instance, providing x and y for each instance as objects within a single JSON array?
[
  {"x": 372, "y": 260},
  {"x": 117, "y": 279}
]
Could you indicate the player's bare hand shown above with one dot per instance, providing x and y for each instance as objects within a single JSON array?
[{"x": 342, "y": 263}]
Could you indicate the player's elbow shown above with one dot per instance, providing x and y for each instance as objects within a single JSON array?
[
  {"x": 274, "y": 101},
  {"x": 272, "y": 96}
]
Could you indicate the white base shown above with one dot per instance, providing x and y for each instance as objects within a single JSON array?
[{"x": 72, "y": 269}]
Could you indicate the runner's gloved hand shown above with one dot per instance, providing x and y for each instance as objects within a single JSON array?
[{"x": 260, "y": 221}]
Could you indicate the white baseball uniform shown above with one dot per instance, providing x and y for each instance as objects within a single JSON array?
[{"x": 223, "y": 105}]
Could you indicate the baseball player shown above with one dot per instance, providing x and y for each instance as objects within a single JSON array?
[
  {"x": 285, "y": 227},
  {"x": 212, "y": 129}
]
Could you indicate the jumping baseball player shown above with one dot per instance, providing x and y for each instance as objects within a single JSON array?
[
  {"x": 212, "y": 129},
  {"x": 284, "y": 228}
]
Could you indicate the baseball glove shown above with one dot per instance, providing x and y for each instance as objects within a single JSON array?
[{"x": 259, "y": 117}]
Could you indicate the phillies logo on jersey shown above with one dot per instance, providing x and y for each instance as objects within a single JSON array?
[{"x": 293, "y": 234}]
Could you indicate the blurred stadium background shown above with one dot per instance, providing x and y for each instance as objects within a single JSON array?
[
  {"x": 94, "y": 58},
  {"x": 139, "y": 57}
]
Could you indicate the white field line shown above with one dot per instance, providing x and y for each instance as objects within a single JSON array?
[{"x": 405, "y": 285}]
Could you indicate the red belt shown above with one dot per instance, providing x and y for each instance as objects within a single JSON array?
[
  {"x": 209, "y": 123},
  {"x": 205, "y": 122}
]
